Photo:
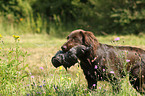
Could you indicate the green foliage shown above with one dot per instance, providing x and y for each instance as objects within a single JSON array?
[
  {"x": 98, "y": 16},
  {"x": 121, "y": 16},
  {"x": 14, "y": 9},
  {"x": 130, "y": 17},
  {"x": 12, "y": 68}
]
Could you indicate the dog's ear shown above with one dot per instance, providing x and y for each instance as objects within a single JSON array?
[
  {"x": 83, "y": 36},
  {"x": 88, "y": 38}
]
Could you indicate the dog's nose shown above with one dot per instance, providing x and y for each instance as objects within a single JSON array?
[{"x": 64, "y": 48}]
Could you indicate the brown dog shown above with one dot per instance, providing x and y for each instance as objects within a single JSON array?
[{"x": 109, "y": 63}]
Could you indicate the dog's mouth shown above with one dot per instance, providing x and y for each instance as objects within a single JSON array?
[{"x": 64, "y": 48}]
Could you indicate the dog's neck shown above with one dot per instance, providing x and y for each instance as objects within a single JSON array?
[{"x": 93, "y": 52}]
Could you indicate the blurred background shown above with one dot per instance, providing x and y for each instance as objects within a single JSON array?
[{"x": 58, "y": 17}]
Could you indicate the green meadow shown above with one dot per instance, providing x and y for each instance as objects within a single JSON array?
[
  {"x": 26, "y": 69},
  {"x": 32, "y": 31}
]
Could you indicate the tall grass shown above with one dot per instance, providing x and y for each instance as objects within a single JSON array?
[
  {"x": 26, "y": 69},
  {"x": 10, "y": 25},
  {"x": 12, "y": 68},
  {"x": 34, "y": 25}
]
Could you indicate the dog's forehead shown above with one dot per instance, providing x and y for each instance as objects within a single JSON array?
[
  {"x": 78, "y": 30},
  {"x": 75, "y": 33}
]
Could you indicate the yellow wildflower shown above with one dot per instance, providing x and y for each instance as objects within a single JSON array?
[
  {"x": 10, "y": 51},
  {"x": 60, "y": 67},
  {"x": 69, "y": 78},
  {"x": 1, "y": 36},
  {"x": 21, "y": 19},
  {"x": 0, "y": 48},
  {"x": 16, "y": 37},
  {"x": 77, "y": 74}
]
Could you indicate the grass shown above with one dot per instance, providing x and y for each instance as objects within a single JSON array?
[{"x": 26, "y": 68}]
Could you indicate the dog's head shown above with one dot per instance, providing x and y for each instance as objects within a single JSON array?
[{"x": 80, "y": 37}]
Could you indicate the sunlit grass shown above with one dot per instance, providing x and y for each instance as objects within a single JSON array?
[
  {"x": 127, "y": 40},
  {"x": 43, "y": 79}
]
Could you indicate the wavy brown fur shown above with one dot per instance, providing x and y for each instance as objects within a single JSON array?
[{"x": 106, "y": 62}]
